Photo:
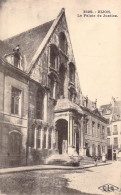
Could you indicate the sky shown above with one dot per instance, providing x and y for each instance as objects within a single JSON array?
[{"x": 96, "y": 41}]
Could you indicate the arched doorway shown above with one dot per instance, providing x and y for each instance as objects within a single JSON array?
[{"x": 62, "y": 130}]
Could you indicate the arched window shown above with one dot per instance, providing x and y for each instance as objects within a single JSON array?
[
  {"x": 72, "y": 72},
  {"x": 54, "y": 57},
  {"x": 40, "y": 104},
  {"x": 63, "y": 42}
]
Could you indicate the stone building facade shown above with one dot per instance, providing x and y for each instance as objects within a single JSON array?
[
  {"x": 42, "y": 109},
  {"x": 95, "y": 130},
  {"x": 13, "y": 115},
  {"x": 112, "y": 112}
]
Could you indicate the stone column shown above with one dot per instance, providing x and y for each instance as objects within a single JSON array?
[
  {"x": 96, "y": 147},
  {"x": 54, "y": 90},
  {"x": 70, "y": 136},
  {"x": 42, "y": 133},
  {"x": 82, "y": 150},
  {"x": 53, "y": 139},
  {"x": 47, "y": 138},
  {"x": 35, "y": 138},
  {"x": 90, "y": 150},
  {"x": 39, "y": 134}
]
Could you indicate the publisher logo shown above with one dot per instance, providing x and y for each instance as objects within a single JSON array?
[{"x": 108, "y": 188}]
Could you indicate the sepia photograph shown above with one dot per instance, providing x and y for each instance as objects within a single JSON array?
[{"x": 60, "y": 97}]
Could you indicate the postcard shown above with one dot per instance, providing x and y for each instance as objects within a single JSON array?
[{"x": 60, "y": 97}]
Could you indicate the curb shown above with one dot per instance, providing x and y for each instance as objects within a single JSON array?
[{"x": 2, "y": 172}]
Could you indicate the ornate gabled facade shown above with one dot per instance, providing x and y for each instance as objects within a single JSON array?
[{"x": 52, "y": 95}]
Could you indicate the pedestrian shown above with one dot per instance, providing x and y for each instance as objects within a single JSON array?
[{"x": 95, "y": 160}]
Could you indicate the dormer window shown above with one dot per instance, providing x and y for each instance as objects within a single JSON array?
[{"x": 15, "y": 58}]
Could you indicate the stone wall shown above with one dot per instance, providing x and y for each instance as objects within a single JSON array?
[{"x": 12, "y": 125}]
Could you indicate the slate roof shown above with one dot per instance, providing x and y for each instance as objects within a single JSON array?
[
  {"x": 106, "y": 107},
  {"x": 5, "y": 48},
  {"x": 65, "y": 104},
  {"x": 115, "y": 110},
  {"x": 29, "y": 41}
]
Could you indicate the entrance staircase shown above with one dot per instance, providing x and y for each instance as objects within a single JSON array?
[
  {"x": 62, "y": 159},
  {"x": 87, "y": 160}
]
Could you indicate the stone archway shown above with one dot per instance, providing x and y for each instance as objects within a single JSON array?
[{"x": 62, "y": 130}]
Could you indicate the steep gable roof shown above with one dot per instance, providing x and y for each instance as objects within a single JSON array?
[
  {"x": 47, "y": 37},
  {"x": 5, "y": 48},
  {"x": 30, "y": 40}
]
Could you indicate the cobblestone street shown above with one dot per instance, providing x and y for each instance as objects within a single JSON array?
[
  {"x": 37, "y": 182},
  {"x": 59, "y": 182}
]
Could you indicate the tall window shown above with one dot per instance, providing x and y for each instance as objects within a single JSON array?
[
  {"x": 93, "y": 128},
  {"x": 108, "y": 131},
  {"x": 98, "y": 130},
  {"x": 54, "y": 57},
  {"x": 108, "y": 141},
  {"x": 115, "y": 130},
  {"x": 115, "y": 141},
  {"x": 16, "y": 101},
  {"x": 40, "y": 104},
  {"x": 39, "y": 137},
  {"x": 103, "y": 132},
  {"x": 86, "y": 126},
  {"x": 72, "y": 72},
  {"x": 63, "y": 42},
  {"x": 61, "y": 80}
]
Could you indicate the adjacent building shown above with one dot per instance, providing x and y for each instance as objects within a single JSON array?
[
  {"x": 95, "y": 129},
  {"x": 42, "y": 109},
  {"x": 112, "y": 112}
]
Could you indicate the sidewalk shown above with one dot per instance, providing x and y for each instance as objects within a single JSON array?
[{"x": 47, "y": 167}]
